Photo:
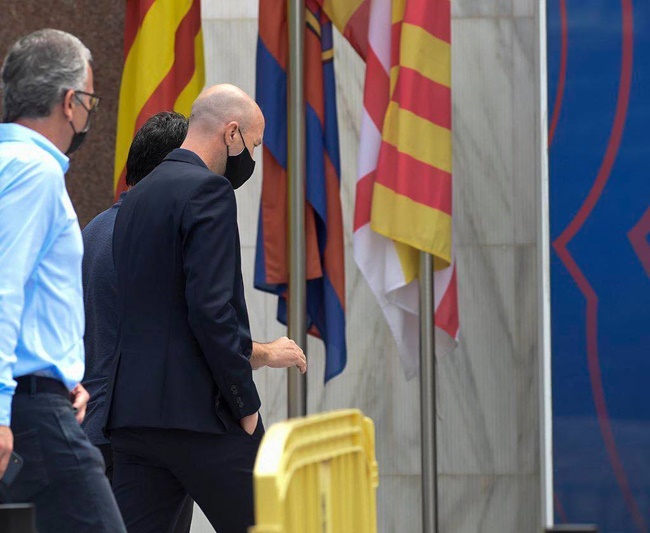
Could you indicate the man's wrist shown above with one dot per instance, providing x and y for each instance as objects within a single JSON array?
[{"x": 260, "y": 355}]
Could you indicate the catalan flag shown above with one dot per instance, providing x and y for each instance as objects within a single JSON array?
[
  {"x": 163, "y": 67},
  {"x": 323, "y": 218},
  {"x": 404, "y": 188}
]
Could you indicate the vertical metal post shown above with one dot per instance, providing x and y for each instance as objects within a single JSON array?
[
  {"x": 428, "y": 397},
  {"x": 544, "y": 275},
  {"x": 297, "y": 383}
]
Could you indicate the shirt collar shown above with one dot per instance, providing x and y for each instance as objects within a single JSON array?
[{"x": 16, "y": 133}]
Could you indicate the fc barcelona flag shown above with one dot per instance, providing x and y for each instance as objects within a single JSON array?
[
  {"x": 323, "y": 219},
  {"x": 163, "y": 67}
]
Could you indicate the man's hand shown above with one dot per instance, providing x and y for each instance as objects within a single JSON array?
[
  {"x": 249, "y": 423},
  {"x": 6, "y": 447},
  {"x": 79, "y": 397},
  {"x": 281, "y": 353}
]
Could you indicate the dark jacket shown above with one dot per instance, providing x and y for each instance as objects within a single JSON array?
[
  {"x": 100, "y": 305},
  {"x": 183, "y": 336}
]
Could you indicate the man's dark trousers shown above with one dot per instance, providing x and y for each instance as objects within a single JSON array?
[
  {"x": 63, "y": 473},
  {"x": 184, "y": 521},
  {"x": 215, "y": 470}
]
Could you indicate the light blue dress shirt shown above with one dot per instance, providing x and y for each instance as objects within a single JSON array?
[{"x": 41, "y": 299}]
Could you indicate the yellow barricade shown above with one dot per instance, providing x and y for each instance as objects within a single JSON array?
[{"x": 317, "y": 474}]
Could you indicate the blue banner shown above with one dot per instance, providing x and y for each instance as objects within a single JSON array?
[{"x": 599, "y": 164}]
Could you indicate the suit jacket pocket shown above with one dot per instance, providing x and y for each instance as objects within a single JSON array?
[{"x": 259, "y": 429}]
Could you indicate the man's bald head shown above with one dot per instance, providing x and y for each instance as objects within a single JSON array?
[
  {"x": 221, "y": 104},
  {"x": 221, "y": 116}
]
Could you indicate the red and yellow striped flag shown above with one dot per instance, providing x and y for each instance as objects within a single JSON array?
[
  {"x": 163, "y": 67},
  {"x": 411, "y": 201},
  {"x": 404, "y": 183}
]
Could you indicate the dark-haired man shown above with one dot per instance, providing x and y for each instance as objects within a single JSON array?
[{"x": 157, "y": 137}]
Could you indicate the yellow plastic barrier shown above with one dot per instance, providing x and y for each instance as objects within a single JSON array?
[{"x": 317, "y": 474}]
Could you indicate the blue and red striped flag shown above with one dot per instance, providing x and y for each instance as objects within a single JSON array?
[{"x": 323, "y": 218}]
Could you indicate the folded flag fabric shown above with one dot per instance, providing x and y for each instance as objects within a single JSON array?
[{"x": 323, "y": 218}]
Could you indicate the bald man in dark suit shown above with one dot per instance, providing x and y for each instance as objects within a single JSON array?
[{"x": 183, "y": 408}]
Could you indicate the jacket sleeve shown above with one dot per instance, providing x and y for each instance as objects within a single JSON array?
[{"x": 209, "y": 261}]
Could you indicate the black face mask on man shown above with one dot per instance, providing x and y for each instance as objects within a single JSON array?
[
  {"x": 239, "y": 167},
  {"x": 78, "y": 137}
]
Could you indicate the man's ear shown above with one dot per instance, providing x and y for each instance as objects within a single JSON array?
[
  {"x": 68, "y": 100},
  {"x": 231, "y": 133}
]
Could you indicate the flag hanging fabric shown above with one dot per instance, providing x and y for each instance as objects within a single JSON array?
[
  {"x": 404, "y": 187},
  {"x": 323, "y": 217},
  {"x": 351, "y": 18},
  {"x": 163, "y": 67}
]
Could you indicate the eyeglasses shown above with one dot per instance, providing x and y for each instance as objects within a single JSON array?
[{"x": 94, "y": 101}]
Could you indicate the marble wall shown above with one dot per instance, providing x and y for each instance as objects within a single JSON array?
[{"x": 489, "y": 458}]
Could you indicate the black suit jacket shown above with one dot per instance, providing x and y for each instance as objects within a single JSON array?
[{"x": 183, "y": 340}]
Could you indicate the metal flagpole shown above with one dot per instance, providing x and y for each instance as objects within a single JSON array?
[
  {"x": 297, "y": 383},
  {"x": 428, "y": 396}
]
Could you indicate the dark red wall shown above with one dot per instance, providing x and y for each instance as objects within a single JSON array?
[{"x": 99, "y": 24}]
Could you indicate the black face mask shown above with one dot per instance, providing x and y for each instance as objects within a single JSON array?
[
  {"x": 239, "y": 167},
  {"x": 77, "y": 140},
  {"x": 78, "y": 137}
]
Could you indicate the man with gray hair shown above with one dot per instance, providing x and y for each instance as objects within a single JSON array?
[{"x": 48, "y": 100}]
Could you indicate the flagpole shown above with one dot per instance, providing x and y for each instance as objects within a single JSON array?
[
  {"x": 296, "y": 383},
  {"x": 428, "y": 397}
]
